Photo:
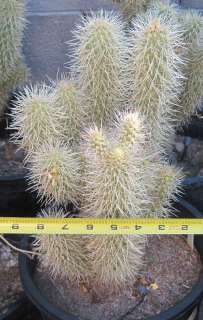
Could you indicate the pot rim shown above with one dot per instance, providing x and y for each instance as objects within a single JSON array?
[
  {"x": 14, "y": 177},
  {"x": 35, "y": 295}
]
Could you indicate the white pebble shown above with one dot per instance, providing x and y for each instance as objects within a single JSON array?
[{"x": 179, "y": 147}]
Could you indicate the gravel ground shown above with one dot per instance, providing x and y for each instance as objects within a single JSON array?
[{"x": 10, "y": 285}]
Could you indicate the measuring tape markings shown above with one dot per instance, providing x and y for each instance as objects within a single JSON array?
[{"x": 100, "y": 226}]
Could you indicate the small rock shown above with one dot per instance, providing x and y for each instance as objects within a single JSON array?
[
  {"x": 188, "y": 141},
  {"x": 2, "y": 143},
  {"x": 195, "y": 153},
  {"x": 173, "y": 157},
  {"x": 142, "y": 290},
  {"x": 179, "y": 138},
  {"x": 200, "y": 173},
  {"x": 179, "y": 146},
  {"x": 19, "y": 155}
]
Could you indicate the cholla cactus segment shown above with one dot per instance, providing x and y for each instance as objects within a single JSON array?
[
  {"x": 12, "y": 23},
  {"x": 130, "y": 129},
  {"x": 192, "y": 93},
  {"x": 66, "y": 97},
  {"x": 154, "y": 66},
  {"x": 4, "y": 97},
  {"x": 130, "y": 8},
  {"x": 96, "y": 141},
  {"x": 164, "y": 187},
  {"x": 154, "y": 72},
  {"x": 190, "y": 96},
  {"x": 16, "y": 78},
  {"x": 55, "y": 173},
  {"x": 99, "y": 59},
  {"x": 62, "y": 256},
  {"x": 19, "y": 75},
  {"x": 113, "y": 170},
  {"x": 35, "y": 118},
  {"x": 116, "y": 261},
  {"x": 192, "y": 24}
]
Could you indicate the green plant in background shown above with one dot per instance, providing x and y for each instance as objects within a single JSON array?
[
  {"x": 130, "y": 8},
  {"x": 12, "y": 69},
  {"x": 164, "y": 9},
  {"x": 95, "y": 140}
]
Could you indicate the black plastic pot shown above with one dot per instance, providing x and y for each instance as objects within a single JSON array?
[
  {"x": 200, "y": 314},
  {"x": 180, "y": 311},
  {"x": 22, "y": 309},
  {"x": 5, "y": 119},
  {"x": 16, "y": 310},
  {"x": 193, "y": 188},
  {"x": 195, "y": 127},
  {"x": 15, "y": 200}
]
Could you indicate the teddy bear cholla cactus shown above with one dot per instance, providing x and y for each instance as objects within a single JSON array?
[
  {"x": 153, "y": 68},
  {"x": 99, "y": 61},
  {"x": 36, "y": 118},
  {"x": 55, "y": 173},
  {"x": 186, "y": 38},
  {"x": 12, "y": 69},
  {"x": 114, "y": 170},
  {"x": 191, "y": 94},
  {"x": 66, "y": 96},
  {"x": 67, "y": 251}
]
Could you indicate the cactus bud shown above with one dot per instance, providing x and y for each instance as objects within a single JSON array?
[
  {"x": 130, "y": 129},
  {"x": 96, "y": 141}
]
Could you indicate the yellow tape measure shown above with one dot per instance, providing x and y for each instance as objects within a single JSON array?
[{"x": 100, "y": 226}]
